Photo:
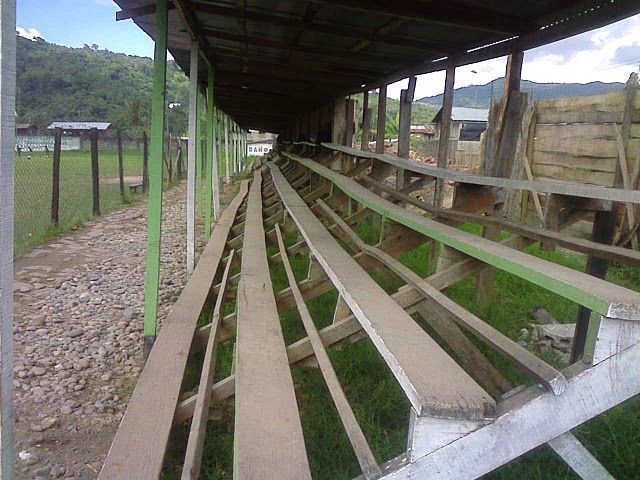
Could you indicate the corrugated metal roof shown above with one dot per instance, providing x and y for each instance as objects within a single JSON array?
[
  {"x": 79, "y": 125},
  {"x": 276, "y": 60}
]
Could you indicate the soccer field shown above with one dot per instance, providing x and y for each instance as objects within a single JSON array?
[{"x": 34, "y": 184}]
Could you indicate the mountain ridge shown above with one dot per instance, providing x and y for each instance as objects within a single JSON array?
[{"x": 479, "y": 96}]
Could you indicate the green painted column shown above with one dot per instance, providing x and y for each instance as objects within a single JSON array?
[
  {"x": 199, "y": 159},
  {"x": 154, "y": 228},
  {"x": 221, "y": 167}
]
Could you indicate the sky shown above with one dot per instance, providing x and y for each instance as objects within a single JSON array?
[{"x": 608, "y": 54}]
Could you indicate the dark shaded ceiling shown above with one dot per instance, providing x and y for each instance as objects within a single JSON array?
[{"x": 277, "y": 59}]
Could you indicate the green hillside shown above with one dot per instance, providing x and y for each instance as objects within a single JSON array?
[{"x": 56, "y": 83}]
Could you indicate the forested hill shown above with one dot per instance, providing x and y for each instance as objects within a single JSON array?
[
  {"x": 479, "y": 96},
  {"x": 57, "y": 83}
]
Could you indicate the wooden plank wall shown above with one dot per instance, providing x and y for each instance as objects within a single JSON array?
[{"x": 575, "y": 138}]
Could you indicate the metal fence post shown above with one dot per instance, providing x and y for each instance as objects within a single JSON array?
[{"x": 120, "y": 163}]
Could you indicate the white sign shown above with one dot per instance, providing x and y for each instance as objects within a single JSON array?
[{"x": 258, "y": 149}]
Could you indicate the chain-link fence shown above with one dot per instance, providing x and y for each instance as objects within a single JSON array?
[{"x": 58, "y": 187}]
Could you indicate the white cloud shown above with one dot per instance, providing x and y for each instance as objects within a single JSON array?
[
  {"x": 608, "y": 54},
  {"x": 31, "y": 34}
]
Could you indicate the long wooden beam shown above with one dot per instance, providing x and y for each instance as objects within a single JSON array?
[
  {"x": 268, "y": 439},
  {"x": 605, "y": 298},
  {"x": 358, "y": 441},
  {"x": 442, "y": 305},
  {"x": 401, "y": 342},
  {"x": 571, "y": 189},
  {"x": 140, "y": 443},
  {"x": 608, "y": 252}
]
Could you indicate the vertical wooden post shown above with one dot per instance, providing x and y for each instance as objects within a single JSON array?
[
  {"x": 351, "y": 123},
  {"x": 7, "y": 144},
  {"x": 154, "y": 229},
  {"x": 213, "y": 196},
  {"x": 226, "y": 140},
  {"x": 382, "y": 119},
  {"x": 145, "y": 162},
  {"x": 199, "y": 162},
  {"x": 404, "y": 129},
  {"x": 220, "y": 136},
  {"x": 120, "y": 162},
  {"x": 55, "y": 190},
  {"x": 509, "y": 128},
  {"x": 191, "y": 157},
  {"x": 208, "y": 187},
  {"x": 604, "y": 227},
  {"x": 445, "y": 131},
  {"x": 95, "y": 171},
  {"x": 366, "y": 122}
]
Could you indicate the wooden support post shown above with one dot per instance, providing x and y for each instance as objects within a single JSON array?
[
  {"x": 120, "y": 163},
  {"x": 445, "y": 131},
  {"x": 7, "y": 145},
  {"x": 155, "y": 177},
  {"x": 603, "y": 230},
  {"x": 351, "y": 122},
  {"x": 509, "y": 130},
  {"x": 404, "y": 130},
  {"x": 338, "y": 129},
  {"x": 578, "y": 458},
  {"x": 211, "y": 140},
  {"x": 226, "y": 140},
  {"x": 366, "y": 122},
  {"x": 55, "y": 191},
  {"x": 145, "y": 162},
  {"x": 191, "y": 157},
  {"x": 382, "y": 119},
  {"x": 95, "y": 171}
]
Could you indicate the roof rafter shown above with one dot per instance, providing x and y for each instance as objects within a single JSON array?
[{"x": 443, "y": 13}]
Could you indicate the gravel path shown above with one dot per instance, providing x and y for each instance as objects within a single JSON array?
[{"x": 78, "y": 335}]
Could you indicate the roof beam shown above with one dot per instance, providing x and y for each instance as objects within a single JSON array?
[
  {"x": 443, "y": 13},
  {"x": 136, "y": 12},
  {"x": 265, "y": 42},
  {"x": 297, "y": 24}
]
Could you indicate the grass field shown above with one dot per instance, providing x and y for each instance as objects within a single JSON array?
[
  {"x": 33, "y": 187},
  {"x": 379, "y": 403}
]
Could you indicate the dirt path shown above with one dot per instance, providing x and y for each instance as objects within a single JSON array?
[{"x": 79, "y": 304}]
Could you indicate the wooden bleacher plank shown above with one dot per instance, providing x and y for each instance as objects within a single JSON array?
[
  {"x": 598, "y": 295},
  {"x": 358, "y": 441},
  {"x": 268, "y": 440},
  {"x": 139, "y": 445},
  {"x": 560, "y": 188},
  {"x": 195, "y": 444},
  {"x": 433, "y": 382},
  {"x": 442, "y": 305}
]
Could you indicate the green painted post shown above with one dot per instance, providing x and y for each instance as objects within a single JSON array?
[
  {"x": 208, "y": 187},
  {"x": 199, "y": 159},
  {"x": 221, "y": 160},
  {"x": 155, "y": 177}
]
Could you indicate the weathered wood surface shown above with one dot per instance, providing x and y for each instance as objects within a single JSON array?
[
  {"x": 604, "y": 108},
  {"x": 358, "y": 441},
  {"x": 195, "y": 443},
  {"x": 578, "y": 458},
  {"x": 443, "y": 306},
  {"x": 139, "y": 445},
  {"x": 433, "y": 382},
  {"x": 561, "y": 188},
  {"x": 581, "y": 245},
  {"x": 268, "y": 440},
  {"x": 407, "y": 297},
  {"x": 603, "y": 297},
  {"x": 525, "y": 423}
]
